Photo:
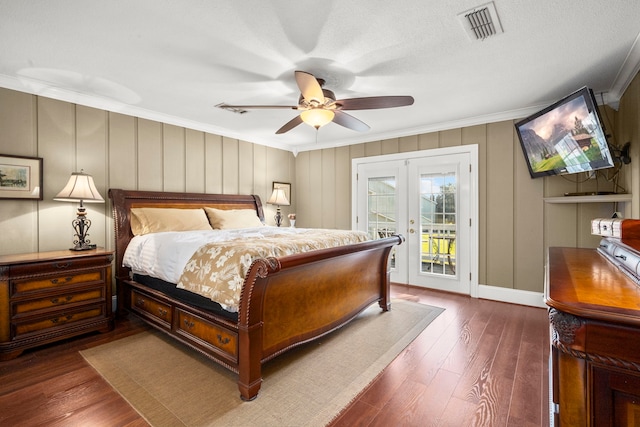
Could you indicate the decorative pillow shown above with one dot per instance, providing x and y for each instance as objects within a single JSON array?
[
  {"x": 155, "y": 220},
  {"x": 225, "y": 219}
]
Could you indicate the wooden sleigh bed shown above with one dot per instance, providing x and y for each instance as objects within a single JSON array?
[{"x": 284, "y": 301}]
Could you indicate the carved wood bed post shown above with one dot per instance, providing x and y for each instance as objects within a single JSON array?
[{"x": 250, "y": 327}]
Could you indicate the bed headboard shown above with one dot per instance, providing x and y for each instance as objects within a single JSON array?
[{"x": 123, "y": 200}]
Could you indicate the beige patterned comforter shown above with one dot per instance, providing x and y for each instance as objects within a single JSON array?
[{"x": 217, "y": 270}]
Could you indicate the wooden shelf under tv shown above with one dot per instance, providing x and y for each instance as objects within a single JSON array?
[{"x": 598, "y": 198}]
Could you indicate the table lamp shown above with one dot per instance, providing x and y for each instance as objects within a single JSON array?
[
  {"x": 80, "y": 188},
  {"x": 278, "y": 198}
]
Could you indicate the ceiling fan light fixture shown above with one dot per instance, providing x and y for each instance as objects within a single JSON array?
[{"x": 317, "y": 117}]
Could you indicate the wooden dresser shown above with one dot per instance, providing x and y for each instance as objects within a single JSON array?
[
  {"x": 595, "y": 340},
  {"x": 49, "y": 296}
]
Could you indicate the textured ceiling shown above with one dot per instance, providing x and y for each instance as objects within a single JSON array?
[{"x": 173, "y": 61}]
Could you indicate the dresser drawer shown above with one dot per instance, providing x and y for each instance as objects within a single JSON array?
[
  {"x": 58, "y": 319},
  {"x": 151, "y": 308},
  {"x": 60, "y": 266},
  {"x": 24, "y": 287},
  {"x": 35, "y": 305},
  {"x": 53, "y": 295},
  {"x": 223, "y": 340}
]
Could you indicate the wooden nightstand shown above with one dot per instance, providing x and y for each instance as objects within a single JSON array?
[{"x": 50, "y": 296}]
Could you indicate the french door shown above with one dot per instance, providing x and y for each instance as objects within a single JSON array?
[{"x": 431, "y": 198}]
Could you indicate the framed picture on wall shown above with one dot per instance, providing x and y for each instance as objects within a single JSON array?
[
  {"x": 285, "y": 186},
  {"x": 20, "y": 177}
]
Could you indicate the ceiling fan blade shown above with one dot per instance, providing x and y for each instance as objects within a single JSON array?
[
  {"x": 374, "y": 102},
  {"x": 309, "y": 87},
  {"x": 348, "y": 121},
  {"x": 255, "y": 107},
  {"x": 290, "y": 125}
]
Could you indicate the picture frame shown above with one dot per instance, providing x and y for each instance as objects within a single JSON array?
[
  {"x": 285, "y": 186},
  {"x": 20, "y": 177}
]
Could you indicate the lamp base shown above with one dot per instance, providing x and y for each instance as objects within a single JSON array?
[
  {"x": 83, "y": 247},
  {"x": 278, "y": 217}
]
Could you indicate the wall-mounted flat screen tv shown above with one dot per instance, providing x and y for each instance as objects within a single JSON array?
[{"x": 566, "y": 137}]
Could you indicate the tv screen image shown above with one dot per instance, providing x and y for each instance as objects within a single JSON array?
[{"x": 566, "y": 137}]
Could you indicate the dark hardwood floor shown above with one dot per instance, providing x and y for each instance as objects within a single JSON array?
[{"x": 480, "y": 363}]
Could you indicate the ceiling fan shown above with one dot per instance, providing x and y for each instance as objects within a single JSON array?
[{"x": 319, "y": 106}]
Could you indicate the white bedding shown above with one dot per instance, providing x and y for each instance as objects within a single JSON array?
[{"x": 158, "y": 254}]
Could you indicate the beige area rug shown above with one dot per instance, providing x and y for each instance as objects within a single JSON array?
[{"x": 171, "y": 385}]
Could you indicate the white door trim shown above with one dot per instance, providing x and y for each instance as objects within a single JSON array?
[{"x": 474, "y": 206}]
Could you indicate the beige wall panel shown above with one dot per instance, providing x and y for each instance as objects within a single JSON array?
[
  {"x": 18, "y": 226},
  {"x": 315, "y": 187},
  {"x": 213, "y": 167},
  {"x": 343, "y": 188},
  {"x": 408, "y": 143},
  {"x": 123, "y": 152},
  {"x": 628, "y": 130},
  {"x": 245, "y": 168},
  {"x": 91, "y": 155},
  {"x": 304, "y": 193},
  {"x": 328, "y": 198},
  {"x": 390, "y": 146},
  {"x": 18, "y": 137},
  {"x": 478, "y": 135},
  {"x": 195, "y": 161},
  {"x": 119, "y": 151},
  {"x": 357, "y": 151},
  {"x": 529, "y": 221},
  {"x": 173, "y": 158},
  {"x": 261, "y": 185},
  {"x": 373, "y": 148},
  {"x": 229, "y": 165},
  {"x": 451, "y": 138},
  {"x": 291, "y": 161},
  {"x": 560, "y": 225},
  {"x": 500, "y": 205},
  {"x": 150, "y": 159},
  {"x": 555, "y": 186},
  {"x": 560, "y": 219},
  {"x": 57, "y": 146},
  {"x": 427, "y": 141},
  {"x": 278, "y": 170},
  {"x": 18, "y": 123}
]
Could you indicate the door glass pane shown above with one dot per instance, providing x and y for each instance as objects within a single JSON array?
[
  {"x": 438, "y": 223},
  {"x": 381, "y": 193}
]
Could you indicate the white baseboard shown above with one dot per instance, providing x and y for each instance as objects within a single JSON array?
[{"x": 513, "y": 296}]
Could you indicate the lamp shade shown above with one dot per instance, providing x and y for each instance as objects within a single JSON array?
[
  {"x": 278, "y": 198},
  {"x": 80, "y": 188},
  {"x": 317, "y": 117}
]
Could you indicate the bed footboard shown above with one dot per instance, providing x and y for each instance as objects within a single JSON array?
[{"x": 292, "y": 300}]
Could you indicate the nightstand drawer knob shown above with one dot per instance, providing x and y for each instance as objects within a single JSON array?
[
  {"x": 65, "y": 280},
  {"x": 64, "y": 300},
  {"x": 65, "y": 318},
  {"x": 62, "y": 264}
]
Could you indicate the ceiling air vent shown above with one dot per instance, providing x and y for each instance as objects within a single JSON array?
[{"x": 481, "y": 22}]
